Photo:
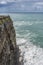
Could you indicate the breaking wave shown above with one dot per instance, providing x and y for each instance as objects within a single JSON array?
[{"x": 32, "y": 55}]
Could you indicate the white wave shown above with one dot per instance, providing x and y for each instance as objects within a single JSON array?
[
  {"x": 32, "y": 55},
  {"x": 21, "y": 41},
  {"x": 20, "y": 23}
]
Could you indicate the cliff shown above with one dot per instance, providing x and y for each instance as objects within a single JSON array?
[{"x": 9, "y": 51}]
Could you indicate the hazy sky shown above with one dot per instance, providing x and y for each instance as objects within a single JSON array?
[{"x": 21, "y": 5}]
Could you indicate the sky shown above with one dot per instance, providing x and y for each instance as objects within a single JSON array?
[{"x": 21, "y": 5}]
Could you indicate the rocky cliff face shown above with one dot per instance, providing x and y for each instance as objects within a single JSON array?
[{"x": 9, "y": 52}]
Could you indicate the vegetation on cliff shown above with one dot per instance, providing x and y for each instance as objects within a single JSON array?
[{"x": 4, "y": 19}]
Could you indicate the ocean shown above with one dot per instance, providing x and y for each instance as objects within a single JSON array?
[
  {"x": 29, "y": 36},
  {"x": 30, "y": 27}
]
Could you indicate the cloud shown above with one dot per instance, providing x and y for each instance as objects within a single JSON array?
[
  {"x": 21, "y": 5},
  {"x": 6, "y": 1},
  {"x": 39, "y": 3},
  {"x": 3, "y": 2},
  {"x": 38, "y": 6},
  {"x": 11, "y": 0}
]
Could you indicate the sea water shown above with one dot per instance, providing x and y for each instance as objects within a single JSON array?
[{"x": 29, "y": 36}]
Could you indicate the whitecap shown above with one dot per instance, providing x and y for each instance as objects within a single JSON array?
[
  {"x": 21, "y": 41},
  {"x": 32, "y": 55}
]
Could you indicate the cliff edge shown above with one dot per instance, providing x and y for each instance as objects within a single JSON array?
[{"x": 9, "y": 51}]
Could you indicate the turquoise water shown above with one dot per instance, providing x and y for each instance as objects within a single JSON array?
[
  {"x": 29, "y": 26},
  {"x": 29, "y": 37}
]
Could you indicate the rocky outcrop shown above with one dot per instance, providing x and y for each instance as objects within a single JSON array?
[{"x": 9, "y": 51}]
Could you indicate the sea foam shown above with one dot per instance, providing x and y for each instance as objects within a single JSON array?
[{"x": 32, "y": 55}]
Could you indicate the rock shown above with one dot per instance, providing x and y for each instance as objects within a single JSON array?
[{"x": 9, "y": 51}]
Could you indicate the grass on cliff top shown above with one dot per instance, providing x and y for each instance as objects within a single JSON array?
[{"x": 4, "y": 19}]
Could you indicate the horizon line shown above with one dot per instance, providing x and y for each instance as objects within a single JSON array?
[{"x": 21, "y": 12}]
